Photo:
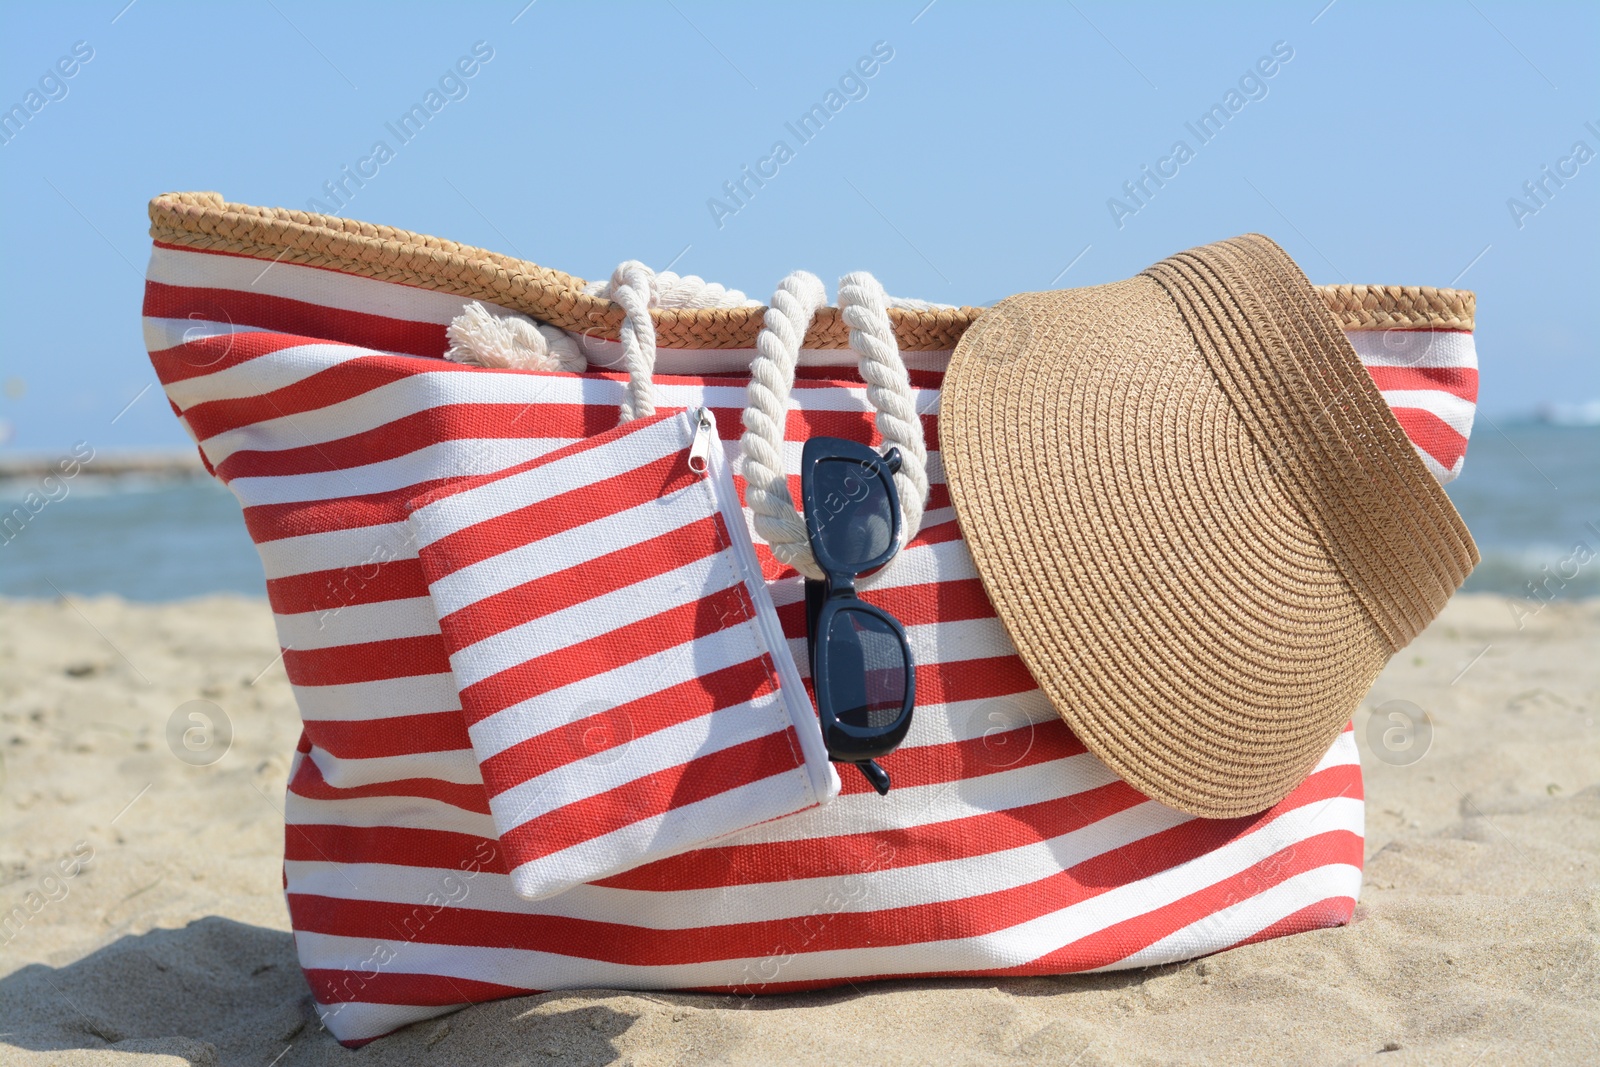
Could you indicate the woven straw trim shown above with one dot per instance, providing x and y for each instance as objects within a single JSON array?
[
  {"x": 206, "y": 221},
  {"x": 1400, "y": 307}
]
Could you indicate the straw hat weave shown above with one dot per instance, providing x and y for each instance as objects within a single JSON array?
[{"x": 1196, "y": 517}]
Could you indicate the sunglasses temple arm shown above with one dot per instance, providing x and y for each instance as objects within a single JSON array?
[{"x": 876, "y": 775}]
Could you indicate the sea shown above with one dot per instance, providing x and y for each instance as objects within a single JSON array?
[{"x": 1529, "y": 492}]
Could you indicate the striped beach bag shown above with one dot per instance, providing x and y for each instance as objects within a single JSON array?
[{"x": 305, "y": 354}]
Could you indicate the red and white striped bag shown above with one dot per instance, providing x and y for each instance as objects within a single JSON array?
[
  {"x": 622, "y": 671},
  {"x": 303, "y": 354}
]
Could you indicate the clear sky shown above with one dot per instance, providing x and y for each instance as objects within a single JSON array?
[{"x": 985, "y": 154}]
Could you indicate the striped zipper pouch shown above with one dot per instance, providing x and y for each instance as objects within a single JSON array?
[{"x": 626, "y": 684}]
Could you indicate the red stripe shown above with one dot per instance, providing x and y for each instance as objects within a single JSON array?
[
  {"x": 342, "y": 587},
  {"x": 294, "y": 316},
  {"x": 941, "y": 920},
  {"x": 308, "y": 782},
  {"x": 202, "y": 354},
  {"x": 431, "y": 425},
  {"x": 272, "y": 522},
  {"x": 1334, "y": 911},
  {"x": 727, "y": 865},
  {"x": 937, "y": 534},
  {"x": 393, "y": 735},
  {"x": 371, "y": 661},
  {"x": 850, "y": 377},
  {"x": 952, "y": 600},
  {"x": 1457, "y": 381},
  {"x": 336, "y": 383},
  {"x": 971, "y": 679},
  {"x": 380, "y": 986},
  {"x": 1123, "y": 939},
  {"x": 654, "y": 794},
  {"x": 522, "y": 526},
  {"x": 1432, "y": 434},
  {"x": 401, "y": 846},
  {"x": 554, "y": 748},
  {"x": 609, "y": 434},
  {"x": 592, "y": 578},
  {"x": 401, "y": 437},
  {"x": 672, "y": 628},
  {"x": 850, "y": 854}
]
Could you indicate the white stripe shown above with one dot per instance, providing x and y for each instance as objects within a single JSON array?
[
  {"x": 1437, "y": 469},
  {"x": 638, "y": 757},
  {"x": 448, "y": 458},
  {"x": 425, "y": 390},
  {"x": 597, "y": 617},
  {"x": 937, "y": 802},
  {"x": 161, "y": 334},
  {"x": 1449, "y": 408},
  {"x": 382, "y": 699},
  {"x": 263, "y": 374},
  {"x": 1413, "y": 348},
  {"x": 358, "y": 1021},
  {"x": 292, "y": 281},
  {"x": 562, "y": 551},
  {"x": 1248, "y": 917},
  {"x": 422, "y": 391},
  {"x": 361, "y": 550},
  {"x": 458, "y": 767},
  {"x": 454, "y": 512},
  {"x": 679, "y": 829},
  {"x": 597, "y": 693},
  {"x": 415, "y": 813},
  {"x": 353, "y": 624}
]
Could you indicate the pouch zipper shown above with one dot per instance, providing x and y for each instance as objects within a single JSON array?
[
  {"x": 791, "y": 688},
  {"x": 705, "y": 431}
]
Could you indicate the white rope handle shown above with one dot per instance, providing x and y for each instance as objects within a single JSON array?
[
  {"x": 489, "y": 340},
  {"x": 864, "y": 306}
]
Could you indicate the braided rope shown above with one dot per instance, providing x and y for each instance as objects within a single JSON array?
[
  {"x": 632, "y": 285},
  {"x": 682, "y": 291},
  {"x": 864, "y": 308},
  {"x": 771, "y": 380}
]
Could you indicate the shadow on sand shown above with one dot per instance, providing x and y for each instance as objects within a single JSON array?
[{"x": 223, "y": 992}]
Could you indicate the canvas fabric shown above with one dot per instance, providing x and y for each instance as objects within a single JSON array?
[
  {"x": 1004, "y": 848},
  {"x": 622, "y": 671}
]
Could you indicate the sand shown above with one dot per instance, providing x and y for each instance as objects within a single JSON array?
[{"x": 1475, "y": 941}]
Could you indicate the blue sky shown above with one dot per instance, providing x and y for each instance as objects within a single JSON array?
[{"x": 981, "y": 157}]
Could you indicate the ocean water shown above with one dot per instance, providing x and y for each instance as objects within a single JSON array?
[{"x": 1530, "y": 493}]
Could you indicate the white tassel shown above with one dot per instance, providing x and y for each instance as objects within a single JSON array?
[{"x": 480, "y": 338}]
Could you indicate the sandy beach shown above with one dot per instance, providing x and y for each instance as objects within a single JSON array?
[{"x": 147, "y": 923}]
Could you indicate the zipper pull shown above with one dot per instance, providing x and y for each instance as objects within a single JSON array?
[{"x": 705, "y": 432}]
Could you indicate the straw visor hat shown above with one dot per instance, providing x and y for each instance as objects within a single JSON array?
[{"x": 1196, "y": 517}]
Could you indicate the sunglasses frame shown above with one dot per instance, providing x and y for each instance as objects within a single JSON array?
[{"x": 836, "y": 593}]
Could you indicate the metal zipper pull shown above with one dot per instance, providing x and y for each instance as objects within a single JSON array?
[{"x": 705, "y": 432}]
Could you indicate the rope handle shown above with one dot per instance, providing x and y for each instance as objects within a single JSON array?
[{"x": 864, "y": 307}]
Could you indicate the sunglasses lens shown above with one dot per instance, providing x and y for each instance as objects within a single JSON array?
[
  {"x": 852, "y": 506},
  {"x": 866, "y": 670}
]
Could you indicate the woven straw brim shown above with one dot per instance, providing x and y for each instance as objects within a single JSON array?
[
  {"x": 207, "y": 222},
  {"x": 1196, "y": 517}
]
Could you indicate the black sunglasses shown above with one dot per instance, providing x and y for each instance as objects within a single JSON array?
[{"x": 860, "y": 661}]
